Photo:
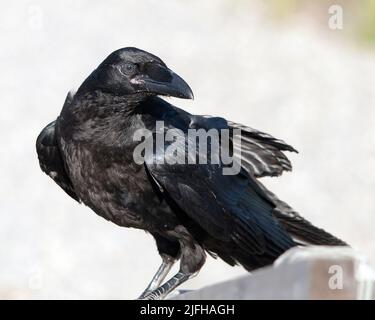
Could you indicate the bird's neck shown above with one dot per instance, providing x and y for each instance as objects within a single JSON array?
[
  {"x": 98, "y": 105},
  {"x": 97, "y": 115}
]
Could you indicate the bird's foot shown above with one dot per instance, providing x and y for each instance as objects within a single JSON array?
[
  {"x": 162, "y": 292},
  {"x": 150, "y": 296},
  {"x": 158, "y": 277},
  {"x": 144, "y": 295}
]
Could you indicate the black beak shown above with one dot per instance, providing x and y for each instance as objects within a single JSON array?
[{"x": 165, "y": 83}]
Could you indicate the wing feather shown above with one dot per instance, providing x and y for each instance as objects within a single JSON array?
[
  {"x": 228, "y": 207},
  {"x": 261, "y": 154}
]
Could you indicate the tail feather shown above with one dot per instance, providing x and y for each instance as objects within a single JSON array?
[
  {"x": 306, "y": 232},
  {"x": 299, "y": 227},
  {"x": 265, "y": 229}
]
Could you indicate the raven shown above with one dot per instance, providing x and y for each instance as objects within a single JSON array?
[{"x": 189, "y": 209}]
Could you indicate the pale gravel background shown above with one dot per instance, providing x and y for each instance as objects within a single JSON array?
[{"x": 303, "y": 84}]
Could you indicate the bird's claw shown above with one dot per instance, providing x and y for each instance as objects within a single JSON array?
[{"x": 149, "y": 296}]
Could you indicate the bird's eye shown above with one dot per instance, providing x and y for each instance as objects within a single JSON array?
[{"x": 128, "y": 68}]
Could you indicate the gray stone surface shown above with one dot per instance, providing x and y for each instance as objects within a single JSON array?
[{"x": 301, "y": 273}]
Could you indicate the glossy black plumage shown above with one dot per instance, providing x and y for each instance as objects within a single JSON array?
[{"x": 189, "y": 209}]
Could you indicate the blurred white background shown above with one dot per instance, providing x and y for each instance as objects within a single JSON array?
[{"x": 291, "y": 77}]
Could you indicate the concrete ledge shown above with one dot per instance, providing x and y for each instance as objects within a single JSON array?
[{"x": 301, "y": 273}]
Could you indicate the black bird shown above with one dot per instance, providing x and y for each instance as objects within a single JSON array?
[{"x": 190, "y": 209}]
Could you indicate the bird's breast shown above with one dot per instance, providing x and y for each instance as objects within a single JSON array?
[{"x": 108, "y": 181}]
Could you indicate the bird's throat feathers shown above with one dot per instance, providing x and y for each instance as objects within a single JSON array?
[
  {"x": 98, "y": 116},
  {"x": 101, "y": 106}
]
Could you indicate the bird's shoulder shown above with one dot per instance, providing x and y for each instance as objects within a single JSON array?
[{"x": 173, "y": 117}]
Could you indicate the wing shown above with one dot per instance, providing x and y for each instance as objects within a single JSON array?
[
  {"x": 50, "y": 158},
  {"x": 220, "y": 204},
  {"x": 261, "y": 154},
  {"x": 230, "y": 208}
]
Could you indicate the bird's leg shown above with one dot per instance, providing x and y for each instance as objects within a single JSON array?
[
  {"x": 192, "y": 259},
  {"x": 159, "y": 276},
  {"x": 161, "y": 292}
]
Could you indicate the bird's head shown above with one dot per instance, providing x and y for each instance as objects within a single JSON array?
[{"x": 130, "y": 71}]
